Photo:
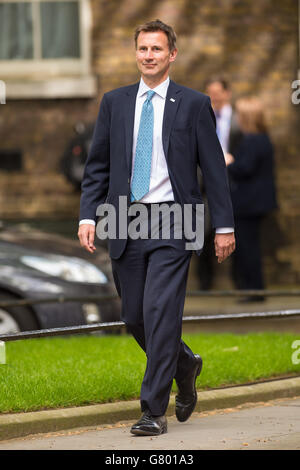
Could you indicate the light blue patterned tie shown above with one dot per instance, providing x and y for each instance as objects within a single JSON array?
[{"x": 143, "y": 154}]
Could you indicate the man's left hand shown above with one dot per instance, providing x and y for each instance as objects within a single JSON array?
[
  {"x": 228, "y": 158},
  {"x": 224, "y": 245}
]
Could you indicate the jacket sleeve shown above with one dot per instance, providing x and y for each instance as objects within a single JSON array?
[
  {"x": 95, "y": 182},
  {"x": 212, "y": 163}
]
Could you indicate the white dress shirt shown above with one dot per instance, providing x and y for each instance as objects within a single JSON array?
[
  {"x": 160, "y": 188},
  {"x": 223, "y": 126}
]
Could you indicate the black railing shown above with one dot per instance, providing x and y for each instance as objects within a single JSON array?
[
  {"x": 69, "y": 330},
  {"x": 292, "y": 313}
]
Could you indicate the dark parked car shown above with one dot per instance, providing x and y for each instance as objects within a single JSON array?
[{"x": 38, "y": 265}]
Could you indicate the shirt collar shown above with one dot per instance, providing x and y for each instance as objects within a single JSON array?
[{"x": 161, "y": 89}]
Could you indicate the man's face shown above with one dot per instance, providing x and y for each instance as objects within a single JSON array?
[
  {"x": 218, "y": 95},
  {"x": 153, "y": 55}
]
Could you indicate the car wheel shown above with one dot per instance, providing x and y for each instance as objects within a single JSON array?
[{"x": 15, "y": 319}]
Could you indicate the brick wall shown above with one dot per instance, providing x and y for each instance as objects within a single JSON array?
[{"x": 253, "y": 43}]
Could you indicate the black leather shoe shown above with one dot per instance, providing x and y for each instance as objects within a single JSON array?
[
  {"x": 187, "y": 397},
  {"x": 150, "y": 425}
]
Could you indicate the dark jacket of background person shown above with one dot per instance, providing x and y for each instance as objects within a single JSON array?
[{"x": 252, "y": 176}]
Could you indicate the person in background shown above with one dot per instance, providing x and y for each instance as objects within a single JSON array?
[
  {"x": 251, "y": 172},
  {"x": 229, "y": 134},
  {"x": 227, "y": 126}
]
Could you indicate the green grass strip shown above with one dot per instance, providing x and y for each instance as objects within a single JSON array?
[{"x": 61, "y": 372}]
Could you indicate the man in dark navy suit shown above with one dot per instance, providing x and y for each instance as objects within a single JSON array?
[
  {"x": 147, "y": 143},
  {"x": 228, "y": 131}
]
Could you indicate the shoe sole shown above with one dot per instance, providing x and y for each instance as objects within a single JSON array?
[{"x": 199, "y": 370}]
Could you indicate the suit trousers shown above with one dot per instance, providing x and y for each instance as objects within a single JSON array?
[{"x": 151, "y": 277}]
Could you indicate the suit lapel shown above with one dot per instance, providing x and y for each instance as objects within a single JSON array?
[
  {"x": 171, "y": 106},
  {"x": 129, "y": 111}
]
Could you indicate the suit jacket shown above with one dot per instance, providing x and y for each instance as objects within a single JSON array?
[
  {"x": 252, "y": 176},
  {"x": 189, "y": 139}
]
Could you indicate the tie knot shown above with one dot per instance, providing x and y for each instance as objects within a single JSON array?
[{"x": 150, "y": 94}]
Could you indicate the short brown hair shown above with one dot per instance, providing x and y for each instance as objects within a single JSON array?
[
  {"x": 157, "y": 25},
  {"x": 251, "y": 114},
  {"x": 222, "y": 80}
]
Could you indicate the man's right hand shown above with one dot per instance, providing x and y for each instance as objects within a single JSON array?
[{"x": 86, "y": 235}]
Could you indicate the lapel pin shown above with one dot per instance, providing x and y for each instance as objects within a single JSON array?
[{"x": 172, "y": 99}]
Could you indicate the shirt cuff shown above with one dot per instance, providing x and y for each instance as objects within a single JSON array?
[
  {"x": 225, "y": 230},
  {"x": 87, "y": 221}
]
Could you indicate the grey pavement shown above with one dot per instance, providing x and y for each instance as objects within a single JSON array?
[{"x": 266, "y": 425}]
